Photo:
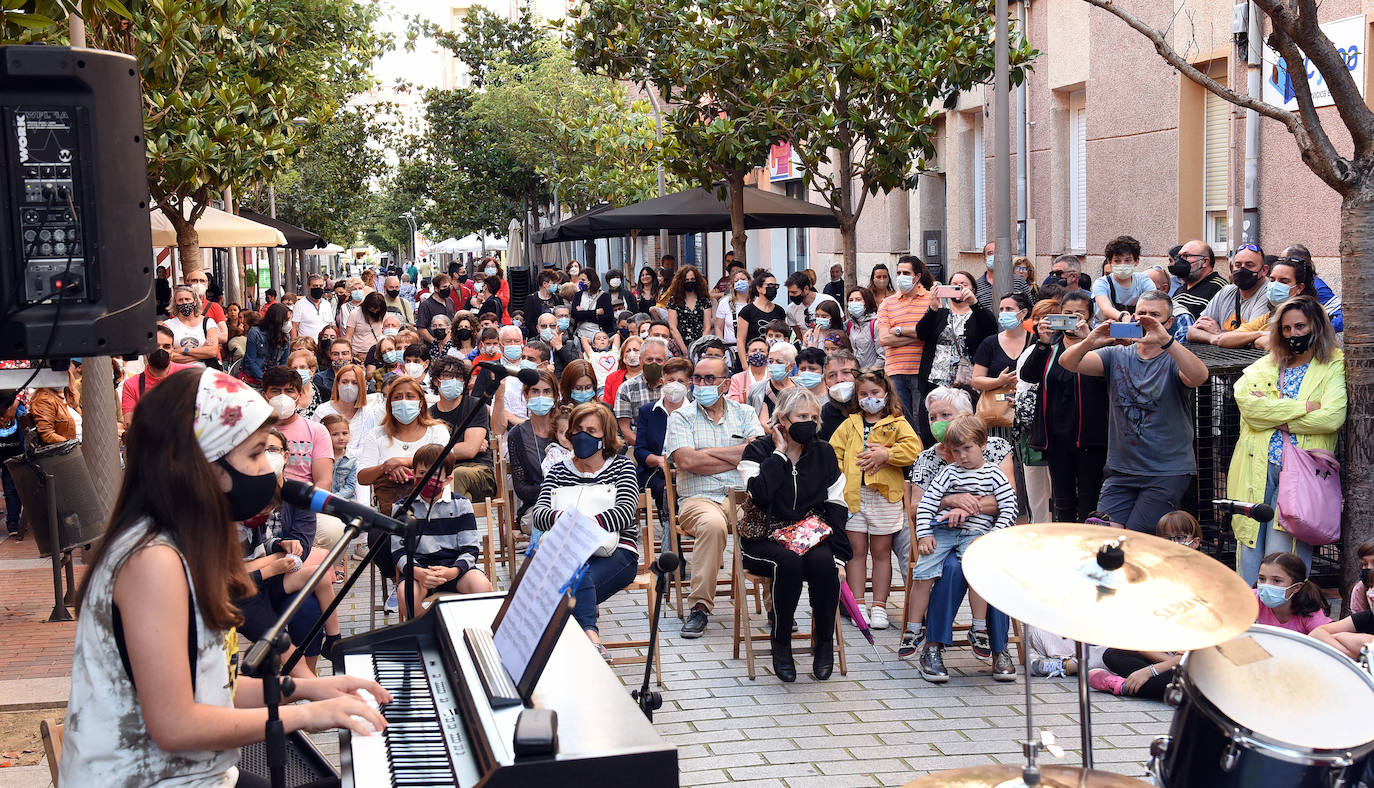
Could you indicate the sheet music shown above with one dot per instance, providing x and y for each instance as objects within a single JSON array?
[{"x": 562, "y": 552}]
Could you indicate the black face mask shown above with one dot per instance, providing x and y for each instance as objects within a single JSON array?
[
  {"x": 1299, "y": 344},
  {"x": 796, "y": 299},
  {"x": 802, "y": 431},
  {"x": 1181, "y": 269},
  {"x": 159, "y": 359},
  {"x": 444, "y": 291},
  {"x": 463, "y": 335},
  {"x": 248, "y": 495},
  {"x": 653, "y": 372},
  {"x": 439, "y": 333},
  {"x": 1244, "y": 278},
  {"x": 1062, "y": 282},
  {"x": 624, "y": 333},
  {"x": 393, "y": 294},
  {"x": 316, "y": 293},
  {"x": 771, "y": 291}
]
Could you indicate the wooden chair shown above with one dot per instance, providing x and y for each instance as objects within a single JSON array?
[
  {"x": 681, "y": 543},
  {"x": 51, "y": 733},
  {"x": 644, "y": 579},
  {"x": 1013, "y": 638},
  {"x": 744, "y": 623},
  {"x": 489, "y": 510},
  {"x": 378, "y": 588},
  {"x": 513, "y": 540}
]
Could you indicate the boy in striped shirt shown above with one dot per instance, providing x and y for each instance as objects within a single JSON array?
[{"x": 941, "y": 531}]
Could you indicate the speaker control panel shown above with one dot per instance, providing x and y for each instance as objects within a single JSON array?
[{"x": 48, "y": 199}]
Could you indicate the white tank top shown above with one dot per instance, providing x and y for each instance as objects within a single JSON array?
[{"x": 106, "y": 742}]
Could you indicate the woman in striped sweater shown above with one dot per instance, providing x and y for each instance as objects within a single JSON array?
[{"x": 601, "y": 483}]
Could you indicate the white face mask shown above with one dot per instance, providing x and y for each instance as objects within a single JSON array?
[
  {"x": 842, "y": 391},
  {"x": 348, "y": 392},
  {"x": 1123, "y": 271},
  {"x": 283, "y": 405},
  {"x": 674, "y": 391},
  {"x": 415, "y": 370},
  {"x": 632, "y": 358},
  {"x": 277, "y": 461}
]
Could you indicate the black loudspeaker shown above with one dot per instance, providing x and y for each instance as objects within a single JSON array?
[{"x": 75, "y": 241}]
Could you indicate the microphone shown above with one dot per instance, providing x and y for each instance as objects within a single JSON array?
[
  {"x": 529, "y": 377},
  {"x": 1262, "y": 512},
  {"x": 308, "y": 496},
  {"x": 666, "y": 563}
]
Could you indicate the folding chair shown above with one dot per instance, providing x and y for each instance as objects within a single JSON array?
[
  {"x": 1013, "y": 638},
  {"x": 51, "y": 733},
  {"x": 644, "y": 579},
  {"x": 744, "y": 624}
]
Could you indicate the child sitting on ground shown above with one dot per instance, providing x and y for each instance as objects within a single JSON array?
[
  {"x": 449, "y": 547},
  {"x": 941, "y": 532},
  {"x": 603, "y": 353}
]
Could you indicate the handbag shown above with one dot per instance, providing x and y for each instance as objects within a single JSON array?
[
  {"x": 802, "y": 535},
  {"x": 995, "y": 407},
  {"x": 1309, "y": 499}
]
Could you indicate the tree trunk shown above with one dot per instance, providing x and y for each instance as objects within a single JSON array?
[
  {"x": 99, "y": 438},
  {"x": 849, "y": 249},
  {"x": 738, "y": 237},
  {"x": 1357, "y": 286},
  {"x": 849, "y": 245},
  {"x": 188, "y": 247}
]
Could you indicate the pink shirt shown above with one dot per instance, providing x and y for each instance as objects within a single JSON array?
[
  {"x": 306, "y": 441},
  {"x": 1303, "y": 624}
]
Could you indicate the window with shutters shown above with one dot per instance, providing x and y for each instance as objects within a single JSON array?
[
  {"x": 1078, "y": 172},
  {"x": 980, "y": 188},
  {"x": 1216, "y": 171}
]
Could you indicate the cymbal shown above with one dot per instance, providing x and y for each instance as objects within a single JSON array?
[
  {"x": 1165, "y": 597},
  {"x": 1008, "y": 775}
]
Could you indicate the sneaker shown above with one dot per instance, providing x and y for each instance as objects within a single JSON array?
[
  {"x": 911, "y": 642},
  {"x": 1003, "y": 667},
  {"x": 360, "y": 551},
  {"x": 392, "y": 605},
  {"x": 1105, "y": 681},
  {"x": 978, "y": 641},
  {"x": 932, "y": 664},
  {"x": 695, "y": 624},
  {"x": 878, "y": 618},
  {"x": 1049, "y": 667}
]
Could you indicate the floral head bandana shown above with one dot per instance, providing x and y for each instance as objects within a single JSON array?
[{"x": 227, "y": 412}]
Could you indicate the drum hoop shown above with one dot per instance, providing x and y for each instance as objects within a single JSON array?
[{"x": 1253, "y": 740}]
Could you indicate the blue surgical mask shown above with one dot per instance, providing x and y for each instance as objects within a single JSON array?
[
  {"x": 777, "y": 372},
  {"x": 904, "y": 282},
  {"x": 512, "y": 352},
  {"x": 392, "y": 357},
  {"x": 822, "y": 323},
  {"x": 489, "y": 271},
  {"x": 406, "y": 411},
  {"x": 856, "y": 309},
  {"x": 563, "y": 323},
  {"x": 305, "y": 375},
  {"x": 989, "y": 261},
  {"x": 1272, "y": 596},
  {"x": 546, "y": 334},
  {"x": 582, "y": 395},
  {"x": 451, "y": 388},
  {"x": 705, "y": 396},
  {"x": 1279, "y": 292},
  {"x": 540, "y": 406},
  {"x": 390, "y": 332},
  {"x": 809, "y": 380},
  {"x": 741, "y": 286},
  {"x": 1006, "y": 321},
  {"x": 527, "y": 364}
]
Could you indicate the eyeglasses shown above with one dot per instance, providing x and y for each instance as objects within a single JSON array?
[
  {"x": 1192, "y": 258},
  {"x": 1183, "y": 539},
  {"x": 706, "y": 380}
]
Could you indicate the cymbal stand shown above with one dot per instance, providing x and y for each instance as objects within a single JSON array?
[
  {"x": 1030, "y": 773},
  {"x": 1085, "y": 712}
]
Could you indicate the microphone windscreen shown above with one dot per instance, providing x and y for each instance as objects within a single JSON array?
[
  {"x": 667, "y": 562},
  {"x": 530, "y": 377}
]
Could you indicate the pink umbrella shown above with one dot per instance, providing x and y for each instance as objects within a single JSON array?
[{"x": 847, "y": 599}]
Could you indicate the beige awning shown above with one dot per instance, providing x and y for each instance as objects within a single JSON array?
[{"x": 217, "y": 228}]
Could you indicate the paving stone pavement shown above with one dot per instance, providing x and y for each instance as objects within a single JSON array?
[{"x": 881, "y": 724}]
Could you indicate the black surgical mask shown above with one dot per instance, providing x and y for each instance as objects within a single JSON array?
[
  {"x": 393, "y": 294},
  {"x": 159, "y": 359},
  {"x": 771, "y": 292},
  {"x": 1244, "y": 278},
  {"x": 247, "y": 494},
  {"x": 463, "y": 335},
  {"x": 1181, "y": 269},
  {"x": 444, "y": 291},
  {"x": 1299, "y": 343},
  {"x": 796, "y": 299},
  {"x": 316, "y": 293},
  {"x": 802, "y": 431},
  {"x": 439, "y": 333}
]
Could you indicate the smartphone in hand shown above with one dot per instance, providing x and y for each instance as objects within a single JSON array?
[{"x": 1127, "y": 331}]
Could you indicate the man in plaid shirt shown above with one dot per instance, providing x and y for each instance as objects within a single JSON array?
[
  {"x": 705, "y": 441},
  {"x": 643, "y": 390}
]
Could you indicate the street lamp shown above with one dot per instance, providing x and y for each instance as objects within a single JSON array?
[{"x": 409, "y": 216}]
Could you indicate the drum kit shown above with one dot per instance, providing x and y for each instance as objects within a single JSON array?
[{"x": 1255, "y": 706}]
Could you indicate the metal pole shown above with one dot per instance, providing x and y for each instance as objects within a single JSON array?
[
  {"x": 274, "y": 266},
  {"x": 1022, "y": 154},
  {"x": 59, "y": 605},
  {"x": 1250, "y": 206},
  {"x": 1001, "y": 117},
  {"x": 1085, "y": 712}
]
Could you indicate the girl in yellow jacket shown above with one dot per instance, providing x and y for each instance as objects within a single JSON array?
[
  {"x": 873, "y": 445},
  {"x": 1296, "y": 393}
]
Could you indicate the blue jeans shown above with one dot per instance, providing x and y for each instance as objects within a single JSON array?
[
  {"x": 908, "y": 389},
  {"x": 945, "y": 598},
  {"x": 1270, "y": 538},
  {"x": 603, "y": 578},
  {"x": 1138, "y": 502}
]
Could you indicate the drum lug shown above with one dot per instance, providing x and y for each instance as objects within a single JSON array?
[
  {"x": 1231, "y": 756},
  {"x": 1159, "y": 748},
  {"x": 1335, "y": 774}
]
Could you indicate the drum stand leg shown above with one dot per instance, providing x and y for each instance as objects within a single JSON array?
[
  {"x": 1030, "y": 773},
  {"x": 1085, "y": 723}
]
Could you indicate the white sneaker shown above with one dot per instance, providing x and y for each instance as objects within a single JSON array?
[
  {"x": 877, "y": 619},
  {"x": 392, "y": 604}
]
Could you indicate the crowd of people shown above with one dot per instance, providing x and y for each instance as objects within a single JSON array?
[{"x": 895, "y": 427}]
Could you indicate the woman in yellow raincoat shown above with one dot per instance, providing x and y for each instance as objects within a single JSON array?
[{"x": 1296, "y": 393}]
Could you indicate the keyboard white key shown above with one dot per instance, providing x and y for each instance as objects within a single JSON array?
[{"x": 369, "y": 757}]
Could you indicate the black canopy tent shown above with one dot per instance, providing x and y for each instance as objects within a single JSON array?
[
  {"x": 297, "y": 241},
  {"x": 708, "y": 211}
]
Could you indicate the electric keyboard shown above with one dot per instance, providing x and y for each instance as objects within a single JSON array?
[{"x": 443, "y": 729}]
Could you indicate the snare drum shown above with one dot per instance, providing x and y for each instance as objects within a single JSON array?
[{"x": 1271, "y": 709}]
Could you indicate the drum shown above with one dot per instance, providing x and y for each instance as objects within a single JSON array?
[{"x": 1272, "y": 708}]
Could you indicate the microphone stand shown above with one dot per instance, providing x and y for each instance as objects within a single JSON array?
[
  {"x": 263, "y": 658},
  {"x": 483, "y": 388},
  {"x": 649, "y": 700}
]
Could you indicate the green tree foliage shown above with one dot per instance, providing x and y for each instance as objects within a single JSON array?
[
  {"x": 223, "y": 81},
  {"x": 45, "y": 21},
  {"x": 485, "y": 39}
]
